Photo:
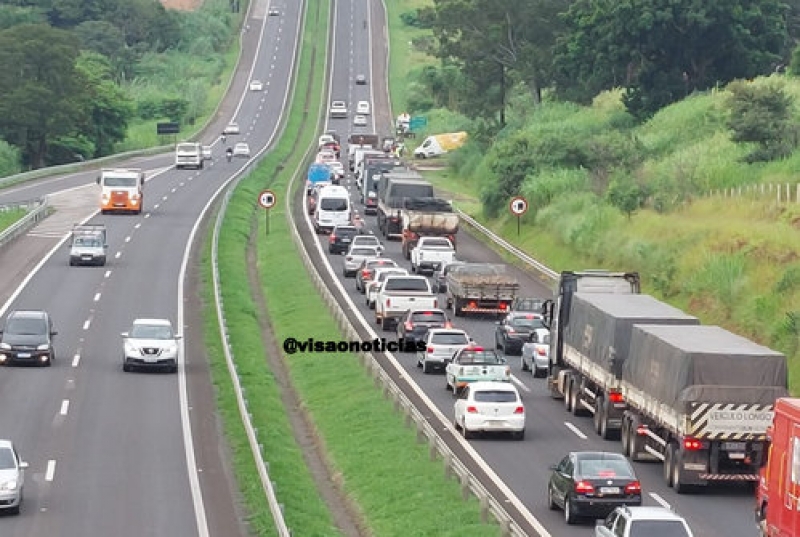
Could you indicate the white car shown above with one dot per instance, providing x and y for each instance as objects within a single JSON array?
[
  {"x": 367, "y": 240},
  {"x": 326, "y": 157},
  {"x": 362, "y": 107},
  {"x": 632, "y": 521},
  {"x": 274, "y": 12},
  {"x": 12, "y": 478},
  {"x": 441, "y": 344},
  {"x": 150, "y": 343},
  {"x": 536, "y": 353},
  {"x": 360, "y": 121},
  {"x": 325, "y": 139},
  {"x": 241, "y": 150},
  {"x": 338, "y": 109},
  {"x": 207, "y": 152},
  {"x": 231, "y": 128},
  {"x": 256, "y": 85},
  {"x": 355, "y": 255},
  {"x": 338, "y": 168},
  {"x": 490, "y": 407},
  {"x": 374, "y": 285}
]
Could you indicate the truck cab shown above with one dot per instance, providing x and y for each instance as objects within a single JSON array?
[
  {"x": 121, "y": 190},
  {"x": 189, "y": 155},
  {"x": 87, "y": 245}
]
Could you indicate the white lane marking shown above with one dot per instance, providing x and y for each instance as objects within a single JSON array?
[
  {"x": 174, "y": 189},
  {"x": 164, "y": 197},
  {"x": 155, "y": 207},
  {"x": 107, "y": 274},
  {"x": 183, "y": 182},
  {"x": 76, "y": 360},
  {"x": 575, "y": 430},
  {"x": 138, "y": 225},
  {"x": 117, "y": 255},
  {"x": 64, "y": 407},
  {"x": 87, "y": 323},
  {"x": 661, "y": 501},
  {"x": 128, "y": 238},
  {"x": 51, "y": 470},
  {"x": 97, "y": 297},
  {"x": 147, "y": 215},
  {"x": 519, "y": 383}
]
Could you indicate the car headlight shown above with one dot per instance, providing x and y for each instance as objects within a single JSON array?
[
  {"x": 10, "y": 484},
  {"x": 5, "y": 346},
  {"x": 131, "y": 350},
  {"x": 43, "y": 347}
]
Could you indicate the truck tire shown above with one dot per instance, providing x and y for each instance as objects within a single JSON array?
[
  {"x": 626, "y": 441},
  {"x": 635, "y": 442},
  {"x": 598, "y": 415},
  {"x": 457, "y": 307},
  {"x": 677, "y": 483},
  {"x": 568, "y": 395},
  {"x": 669, "y": 463},
  {"x": 601, "y": 420},
  {"x": 577, "y": 399}
]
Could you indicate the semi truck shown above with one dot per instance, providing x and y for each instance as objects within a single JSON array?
[
  {"x": 700, "y": 400},
  {"x": 778, "y": 493},
  {"x": 480, "y": 288},
  {"x": 121, "y": 190},
  {"x": 427, "y": 217},
  {"x": 394, "y": 188}
]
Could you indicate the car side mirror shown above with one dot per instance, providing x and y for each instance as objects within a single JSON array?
[
  {"x": 54, "y": 332},
  {"x": 124, "y": 334},
  {"x": 23, "y": 465}
]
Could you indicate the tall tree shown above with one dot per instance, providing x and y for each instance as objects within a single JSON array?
[
  {"x": 42, "y": 91},
  {"x": 685, "y": 45}
]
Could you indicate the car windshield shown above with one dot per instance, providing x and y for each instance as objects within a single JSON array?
[
  {"x": 449, "y": 338},
  {"x": 657, "y": 528},
  {"x": 428, "y": 317},
  {"x": 604, "y": 468},
  {"x": 150, "y": 331},
  {"x": 480, "y": 358},
  {"x": 126, "y": 182},
  {"x": 494, "y": 396},
  {"x": 87, "y": 241},
  {"x": 527, "y": 322},
  {"x": 7, "y": 459},
  {"x": 26, "y": 327}
]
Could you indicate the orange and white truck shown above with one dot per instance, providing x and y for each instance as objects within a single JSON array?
[
  {"x": 121, "y": 190},
  {"x": 778, "y": 492}
]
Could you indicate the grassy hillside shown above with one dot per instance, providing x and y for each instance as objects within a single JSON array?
[{"x": 731, "y": 261}]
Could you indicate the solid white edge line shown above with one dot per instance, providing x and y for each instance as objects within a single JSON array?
[
  {"x": 50, "y": 473},
  {"x": 572, "y": 427}
]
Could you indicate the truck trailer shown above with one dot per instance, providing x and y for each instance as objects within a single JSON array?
[
  {"x": 427, "y": 217},
  {"x": 480, "y": 288},
  {"x": 700, "y": 400}
]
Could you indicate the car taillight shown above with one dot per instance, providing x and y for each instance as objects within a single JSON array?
[
  {"x": 388, "y": 302},
  {"x": 692, "y": 444},
  {"x": 502, "y": 306},
  {"x": 584, "y": 487},
  {"x": 435, "y": 302},
  {"x": 615, "y": 397},
  {"x": 365, "y": 274},
  {"x": 519, "y": 410},
  {"x": 409, "y": 326},
  {"x": 448, "y": 324},
  {"x": 332, "y": 238},
  {"x": 634, "y": 487},
  {"x": 473, "y": 304},
  {"x": 429, "y": 350},
  {"x": 472, "y": 409},
  {"x": 541, "y": 351}
]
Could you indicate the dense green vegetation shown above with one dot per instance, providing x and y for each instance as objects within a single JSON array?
[
  {"x": 98, "y": 76},
  {"x": 608, "y": 188}
]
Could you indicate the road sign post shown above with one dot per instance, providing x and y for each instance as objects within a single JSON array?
[
  {"x": 518, "y": 207},
  {"x": 267, "y": 200}
]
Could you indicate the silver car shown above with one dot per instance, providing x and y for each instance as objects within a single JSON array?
[
  {"x": 367, "y": 240},
  {"x": 441, "y": 344},
  {"x": 536, "y": 353},
  {"x": 12, "y": 478},
  {"x": 374, "y": 285},
  {"x": 355, "y": 255},
  {"x": 150, "y": 343}
]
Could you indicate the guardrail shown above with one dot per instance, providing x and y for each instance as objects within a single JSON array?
[{"x": 41, "y": 208}]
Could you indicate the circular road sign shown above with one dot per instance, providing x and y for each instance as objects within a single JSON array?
[
  {"x": 518, "y": 206},
  {"x": 267, "y": 199}
]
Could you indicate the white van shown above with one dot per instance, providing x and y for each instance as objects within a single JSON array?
[{"x": 332, "y": 208}]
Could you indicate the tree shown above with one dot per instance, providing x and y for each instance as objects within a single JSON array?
[
  {"x": 685, "y": 45},
  {"x": 761, "y": 114},
  {"x": 626, "y": 195},
  {"x": 42, "y": 91}
]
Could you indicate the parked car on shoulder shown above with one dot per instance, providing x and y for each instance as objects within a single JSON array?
[
  {"x": 489, "y": 407},
  {"x": 441, "y": 344},
  {"x": 592, "y": 484},
  {"x": 413, "y": 326},
  {"x": 536, "y": 353}
]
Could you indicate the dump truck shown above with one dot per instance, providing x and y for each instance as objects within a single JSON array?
[
  {"x": 594, "y": 346},
  {"x": 87, "y": 245},
  {"x": 427, "y": 217},
  {"x": 394, "y": 187},
  {"x": 480, "y": 288},
  {"x": 700, "y": 399}
]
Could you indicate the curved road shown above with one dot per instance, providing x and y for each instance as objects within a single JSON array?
[{"x": 132, "y": 454}]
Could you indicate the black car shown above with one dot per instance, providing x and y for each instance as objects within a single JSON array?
[
  {"x": 340, "y": 239},
  {"x": 413, "y": 326},
  {"x": 361, "y": 80},
  {"x": 513, "y": 331},
  {"x": 592, "y": 484},
  {"x": 27, "y": 337}
]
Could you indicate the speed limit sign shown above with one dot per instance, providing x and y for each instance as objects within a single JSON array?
[
  {"x": 518, "y": 206},
  {"x": 266, "y": 199}
]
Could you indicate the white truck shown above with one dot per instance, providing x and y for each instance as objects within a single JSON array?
[
  {"x": 431, "y": 253},
  {"x": 400, "y": 294},
  {"x": 189, "y": 155},
  {"x": 87, "y": 245}
]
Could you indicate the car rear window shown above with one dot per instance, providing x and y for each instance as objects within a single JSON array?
[
  {"x": 345, "y": 231},
  {"x": 495, "y": 396},
  {"x": 604, "y": 468},
  {"x": 381, "y": 263},
  {"x": 438, "y": 243},
  {"x": 428, "y": 317},
  {"x": 449, "y": 339},
  {"x": 363, "y": 251},
  {"x": 657, "y": 528},
  {"x": 26, "y": 327},
  {"x": 480, "y": 358},
  {"x": 406, "y": 284},
  {"x": 527, "y": 322}
]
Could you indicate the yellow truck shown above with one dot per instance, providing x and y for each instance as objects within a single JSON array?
[{"x": 439, "y": 144}]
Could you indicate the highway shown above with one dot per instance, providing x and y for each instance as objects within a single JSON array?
[
  {"x": 131, "y": 454},
  {"x": 551, "y": 431}
]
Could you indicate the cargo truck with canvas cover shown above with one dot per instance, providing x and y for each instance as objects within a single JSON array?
[
  {"x": 596, "y": 342},
  {"x": 480, "y": 288},
  {"x": 121, "y": 190},
  {"x": 700, "y": 399},
  {"x": 427, "y": 217}
]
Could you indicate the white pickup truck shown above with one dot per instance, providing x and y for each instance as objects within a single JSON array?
[
  {"x": 400, "y": 294},
  {"x": 430, "y": 253}
]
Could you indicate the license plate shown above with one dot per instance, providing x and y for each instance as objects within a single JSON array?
[
  {"x": 734, "y": 446},
  {"x": 609, "y": 490},
  {"x": 345, "y": 240},
  {"x": 150, "y": 359},
  {"x": 24, "y": 355}
]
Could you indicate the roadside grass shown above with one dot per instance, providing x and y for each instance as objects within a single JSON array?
[{"x": 9, "y": 217}]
